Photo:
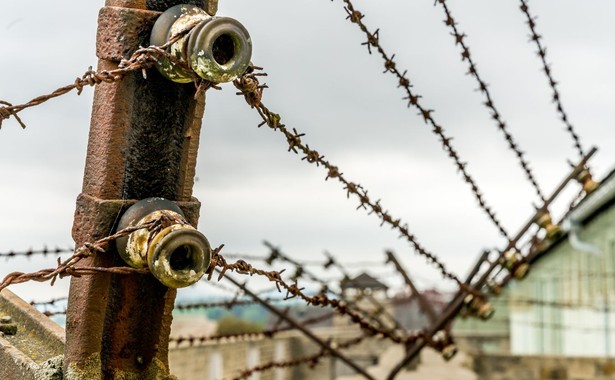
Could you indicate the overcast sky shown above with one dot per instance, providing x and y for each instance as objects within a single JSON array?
[{"x": 323, "y": 83}]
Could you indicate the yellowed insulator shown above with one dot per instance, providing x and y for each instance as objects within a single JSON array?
[
  {"x": 585, "y": 179},
  {"x": 544, "y": 221}
]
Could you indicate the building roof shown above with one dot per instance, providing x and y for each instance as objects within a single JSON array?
[{"x": 362, "y": 281}]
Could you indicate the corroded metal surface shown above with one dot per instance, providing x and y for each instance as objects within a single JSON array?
[{"x": 143, "y": 142}]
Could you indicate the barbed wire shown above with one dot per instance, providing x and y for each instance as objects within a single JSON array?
[
  {"x": 320, "y": 299},
  {"x": 249, "y": 86},
  {"x": 310, "y": 360},
  {"x": 31, "y": 252},
  {"x": 300, "y": 272},
  {"x": 390, "y": 66},
  {"x": 542, "y": 53},
  {"x": 489, "y": 103},
  {"x": 68, "y": 267},
  {"x": 269, "y": 333},
  {"x": 229, "y": 304},
  {"x": 348, "y": 264},
  {"x": 50, "y": 314},
  {"x": 142, "y": 59},
  {"x": 50, "y": 302}
]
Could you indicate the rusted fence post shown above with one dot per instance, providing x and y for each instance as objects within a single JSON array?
[{"x": 143, "y": 143}]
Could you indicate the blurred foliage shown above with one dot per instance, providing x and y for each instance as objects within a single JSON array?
[{"x": 232, "y": 325}]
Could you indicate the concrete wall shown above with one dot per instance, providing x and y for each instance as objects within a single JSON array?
[
  {"x": 508, "y": 367},
  {"x": 214, "y": 361}
]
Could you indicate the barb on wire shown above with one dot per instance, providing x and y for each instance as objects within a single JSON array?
[
  {"x": 489, "y": 103},
  {"x": 50, "y": 302},
  {"x": 300, "y": 272},
  {"x": 346, "y": 264},
  {"x": 229, "y": 304},
  {"x": 390, "y": 66},
  {"x": 48, "y": 313},
  {"x": 311, "y": 360},
  {"x": 31, "y": 252},
  {"x": 249, "y": 87},
  {"x": 68, "y": 267},
  {"x": 142, "y": 59},
  {"x": 542, "y": 53}
]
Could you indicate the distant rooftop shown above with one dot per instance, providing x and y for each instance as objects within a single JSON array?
[{"x": 362, "y": 281}]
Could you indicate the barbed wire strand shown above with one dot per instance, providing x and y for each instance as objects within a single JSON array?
[
  {"x": 489, "y": 103},
  {"x": 320, "y": 299},
  {"x": 310, "y": 360},
  {"x": 390, "y": 66},
  {"x": 31, "y": 252},
  {"x": 50, "y": 302},
  {"x": 305, "y": 331},
  {"x": 249, "y": 86},
  {"x": 142, "y": 59},
  {"x": 68, "y": 267},
  {"x": 194, "y": 340},
  {"x": 542, "y": 53},
  {"x": 276, "y": 253}
]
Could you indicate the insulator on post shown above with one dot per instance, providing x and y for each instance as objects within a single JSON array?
[
  {"x": 443, "y": 342},
  {"x": 176, "y": 254},
  {"x": 514, "y": 262},
  {"x": 544, "y": 221},
  {"x": 585, "y": 178},
  {"x": 494, "y": 287},
  {"x": 478, "y": 307},
  {"x": 217, "y": 49}
]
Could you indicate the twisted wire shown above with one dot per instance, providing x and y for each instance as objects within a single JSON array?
[
  {"x": 542, "y": 53},
  {"x": 489, "y": 103},
  {"x": 390, "y": 66}
]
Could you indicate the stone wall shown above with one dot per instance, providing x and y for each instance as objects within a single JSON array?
[
  {"x": 508, "y": 367},
  {"x": 215, "y": 360}
]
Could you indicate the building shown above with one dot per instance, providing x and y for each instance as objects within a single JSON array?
[{"x": 566, "y": 305}]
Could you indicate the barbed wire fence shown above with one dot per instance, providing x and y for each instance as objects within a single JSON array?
[{"x": 370, "y": 326}]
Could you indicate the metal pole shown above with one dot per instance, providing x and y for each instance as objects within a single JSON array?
[
  {"x": 143, "y": 143},
  {"x": 324, "y": 345}
]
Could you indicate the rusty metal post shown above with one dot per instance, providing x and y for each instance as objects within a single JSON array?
[{"x": 143, "y": 143}]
